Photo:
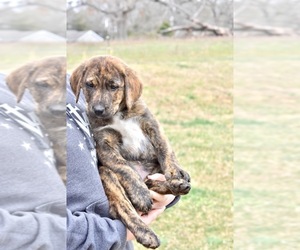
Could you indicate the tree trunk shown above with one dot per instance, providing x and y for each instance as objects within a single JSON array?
[{"x": 122, "y": 26}]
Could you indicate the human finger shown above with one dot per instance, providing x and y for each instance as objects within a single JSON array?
[
  {"x": 161, "y": 200},
  {"x": 152, "y": 215},
  {"x": 157, "y": 176}
]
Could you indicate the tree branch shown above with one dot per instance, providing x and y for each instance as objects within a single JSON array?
[
  {"x": 176, "y": 28},
  {"x": 194, "y": 28},
  {"x": 199, "y": 9},
  {"x": 218, "y": 31},
  {"x": 271, "y": 31},
  {"x": 111, "y": 12}
]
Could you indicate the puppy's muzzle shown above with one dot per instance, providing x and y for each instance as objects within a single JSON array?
[{"x": 99, "y": 110}]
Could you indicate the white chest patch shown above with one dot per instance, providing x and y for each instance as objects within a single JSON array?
[{"x": 133, "y": 137}]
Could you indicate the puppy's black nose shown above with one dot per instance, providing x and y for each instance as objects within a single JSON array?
[{"x": 99, "y": 109}]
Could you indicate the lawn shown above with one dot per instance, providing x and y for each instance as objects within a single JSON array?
[
  {"x": 266, "y": 148},
  {"x": 188, "y": 86},
  {"x": 14, "y": 55}
]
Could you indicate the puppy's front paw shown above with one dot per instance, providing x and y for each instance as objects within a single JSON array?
[
  {"x": 179, "y": 181},
  {"x": 179, "y": 187}
]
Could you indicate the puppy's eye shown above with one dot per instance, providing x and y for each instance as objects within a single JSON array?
[
  {"x": 90, "y": 84},
  {"x": 114, "y": 87},
  {"x": 42, "y": 84}
]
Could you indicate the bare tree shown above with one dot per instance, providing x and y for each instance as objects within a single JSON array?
[
  {"x": 117, "y": 11},
  {"x": 190, "y": 15},
  {"x": 220, "y": 9},
  {"x": 268, "y": 17},
  {"x": 268, "y": 30},
  {"x": 144, "y": 16}
]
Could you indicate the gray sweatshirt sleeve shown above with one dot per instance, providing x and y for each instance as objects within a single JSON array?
[
  {"x": 31, "y": 230},
  {"x": 32, "y": 196},
  {"x": 89, "y": 223},
  {"x": 90, "y": 231}
]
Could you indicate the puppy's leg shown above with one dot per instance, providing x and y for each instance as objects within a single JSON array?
[
  {"x": 171, "y": 186},
  {"x": 109, "y": 153},
  {"x": 136, "y": 190},
  {"x": 121, "y": 208},
  {"x": 161, "y": 187},
  {"x": 179, "y": 180}
]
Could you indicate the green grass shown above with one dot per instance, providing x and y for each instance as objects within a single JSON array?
[
  {"x": 14, "y": 55},
  {"x": 266, "y": 148},
  {"x": 188, "y": 86}
]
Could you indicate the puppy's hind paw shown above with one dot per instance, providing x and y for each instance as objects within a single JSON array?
[
  {"x": 144, "y": 205},
  {"x": 149, "y": 240},
  {"x": 142, "y": 200}
]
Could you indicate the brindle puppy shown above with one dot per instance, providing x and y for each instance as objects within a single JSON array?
[
  {"x": 46, "y": 81},
  {"x": 127, "y": 137}
]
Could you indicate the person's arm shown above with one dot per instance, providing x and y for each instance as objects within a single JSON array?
[
  {"x": 31, "y": 230},
  {"x": 32, "y": 196},
  {"x": 89, "y": 223},
  {"x": 90, "y": 231}
]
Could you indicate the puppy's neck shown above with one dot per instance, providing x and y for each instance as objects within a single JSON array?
[
  {"x": 139, "y": 108},
  {"x": 97, "y": 122}
]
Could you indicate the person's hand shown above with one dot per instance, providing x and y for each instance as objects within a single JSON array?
[
  {"x": 160, "y": 200},
  {"x": 159, "y": 205}
]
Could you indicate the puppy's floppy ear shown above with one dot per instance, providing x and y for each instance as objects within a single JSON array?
[
  {"x": 19, "y": 80},
  {"x": 76, "y": 79},
  {"x": 133, "y": 87}
]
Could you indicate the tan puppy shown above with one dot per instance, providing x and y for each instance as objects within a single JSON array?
[{"x": 127, "y": 138}]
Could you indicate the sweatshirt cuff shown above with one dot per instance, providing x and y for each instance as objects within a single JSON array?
[{"x": 176, "y": 199}]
